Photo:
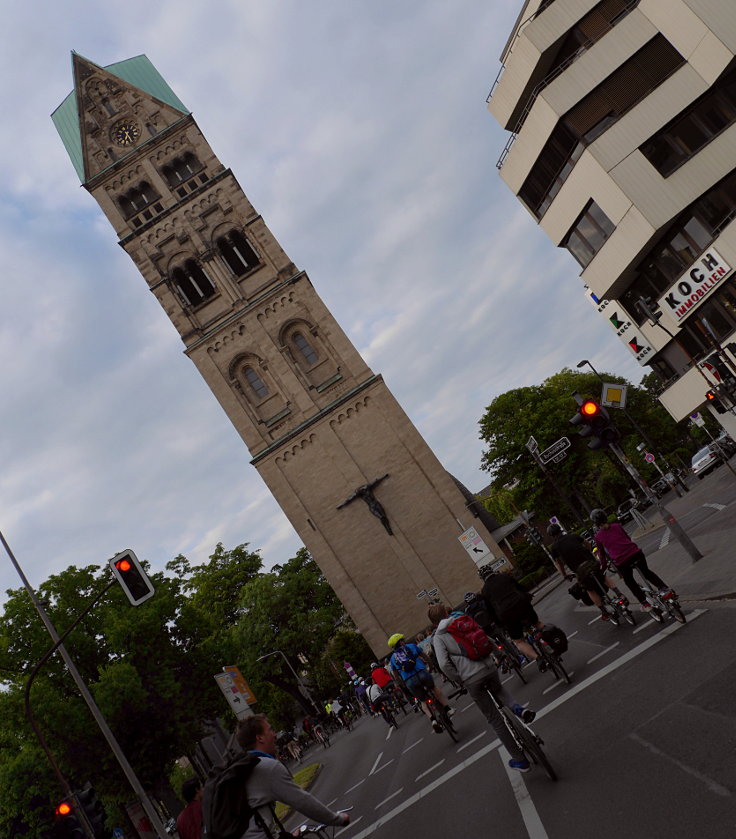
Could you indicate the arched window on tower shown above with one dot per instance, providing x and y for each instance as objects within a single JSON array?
[
  {"x": 193, "y": 284},
  {"x": 304, "y": 348},
  {"x": 136, "y": 200},
  {"x": 256, "y": 382},
  {"x": 180, "y": 174},
  {"x": 237, "y": 252}
]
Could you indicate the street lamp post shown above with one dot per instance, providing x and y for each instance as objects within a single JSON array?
[{"x": 297, "y": 678}]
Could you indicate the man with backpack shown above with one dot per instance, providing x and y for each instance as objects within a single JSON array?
[
  {"x": 465, "y": 658},
  {"x": 238, "y": 802},
  {"x": 407, "y": 660}
]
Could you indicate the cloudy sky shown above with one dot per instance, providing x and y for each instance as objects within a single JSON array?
[{"x": 360, "y": 131}]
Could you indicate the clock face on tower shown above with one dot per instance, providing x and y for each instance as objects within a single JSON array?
[{"x": 125, "y": 133}]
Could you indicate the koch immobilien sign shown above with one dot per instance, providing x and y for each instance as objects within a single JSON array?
[{"x": 694, "y": 285}]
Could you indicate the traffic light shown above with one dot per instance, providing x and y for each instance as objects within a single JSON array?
[
  {"x": 712, "y": 398},
  {"x": 66, "y": 823},
  {"x": 595, "y": 423},
  {"x": 93, "y": 809},
  {"x": 728, "y": 380},
  {"x": 131, "y": 576},
  {"x": 533, "y": 536}
]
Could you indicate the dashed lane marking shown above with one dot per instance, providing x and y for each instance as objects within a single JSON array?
[
  {"x": 393, "y": 795},
  {"x": 431, "y": 769},
  {"x": 470, "y": 742},
  {"x": 380, "y": 755},
  {"x": 415, "y": 743},
  {"x": 603, "y": 652}
]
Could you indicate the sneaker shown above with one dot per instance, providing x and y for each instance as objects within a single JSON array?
[
  {"x": 604, "y": 616},
  {"x": 436, "y": 727},
  {"x": 525, "y": 714},
  {"x": 645, "y": 607},
  {"x": 520, "y": 765},
  {"x": 450, "y": 711},
  {"x": 542, "y": 665}
]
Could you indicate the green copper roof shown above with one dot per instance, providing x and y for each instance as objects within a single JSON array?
[{"x": 137, "y": 71}]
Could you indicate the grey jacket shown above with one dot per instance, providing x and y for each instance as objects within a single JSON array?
[
  {"x": 454, "y": 663},
  {"x": 270, "y": 781}
]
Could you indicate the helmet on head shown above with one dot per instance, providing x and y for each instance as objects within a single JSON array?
[
  {"x": 598, "y": 516},
  {"x": 374, "y": 665},
  {"x": 394, "y": 639},
  {"x": 485, "y": 571},
  {"x": 470, "y": 596},
  {"x": 554, "y": 530}
]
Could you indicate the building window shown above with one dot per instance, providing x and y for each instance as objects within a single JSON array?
[
  {"x": 602, "y": 107},
  {"x": 693, "y": 128},
  {"x": 237, "y": 252},
  {"x": 181, "y": 169},
  {"x": 256, "y": 382},
  {"x": 193, "y": 284},
  {"x": 588, "y": 234},
  {"x": 305, "y": 348},
  {"x": 137, "y": 199}
]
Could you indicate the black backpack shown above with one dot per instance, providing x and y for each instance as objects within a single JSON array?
[
  {"x": 225, "y": 810},
  {"x": 478, "y": 609}
]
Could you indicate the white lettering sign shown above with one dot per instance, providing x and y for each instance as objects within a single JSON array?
[
  {"x": 694, "y": 285},
  {"x": 623, "y": 326}
]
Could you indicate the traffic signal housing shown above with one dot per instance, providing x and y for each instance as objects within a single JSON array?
[
  {"x": 93, "y": 809},
  {"x": 595, "y": 422},
  {"x": 130, "y": 574},
  {"x": 713, "y": 399},
  {"x": 66, "y": 823}
]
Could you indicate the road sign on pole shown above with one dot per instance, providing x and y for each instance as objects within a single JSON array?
[
  {"x": 532, "y": 445},
  {"x": 555, "y": 449},
  {"x": 477, "y": 549}
]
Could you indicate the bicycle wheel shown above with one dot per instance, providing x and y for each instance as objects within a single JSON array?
[
  {"x": 529, "y": 743},
  {"x": 614, "y": 617},
  {"x": 656, "y": 614},
  {"x": 628, "y": 616},
  {"x": 446, "y": 723},
  {"x": 516, "y": 667},
  {"x": 563, "y": 673},
  {"x": 676, "y": 612}
]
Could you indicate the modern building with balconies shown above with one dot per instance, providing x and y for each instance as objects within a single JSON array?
[{"x": 622, "y": 147}]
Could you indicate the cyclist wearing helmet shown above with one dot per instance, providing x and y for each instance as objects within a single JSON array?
[
  {"x": 614, "y": 542},
  {"x": 407, "y": 660},
  {"x": 570, "y": 549}
]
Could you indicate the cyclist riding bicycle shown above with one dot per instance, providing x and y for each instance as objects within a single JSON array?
[
  {"x": 570, "y": 550},
  {"x": 380, "y": 701},
  {"x": 408, "y": 662},
  {"x": 626, "y": 555},
  {"x": 475, "y": 675}
]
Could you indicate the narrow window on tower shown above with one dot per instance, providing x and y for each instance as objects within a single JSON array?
[
  {"x": 179, "y": 170},
  {"x": 193, "y": 284},
  {"x": 304, "y": 348},
  {"x": 237, "y": 252},
  {"x": 256, "y": 382}
]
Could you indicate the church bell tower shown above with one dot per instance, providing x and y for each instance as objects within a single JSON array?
[{"x": 369, "y": 499}]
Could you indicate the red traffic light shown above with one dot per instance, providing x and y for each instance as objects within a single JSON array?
[
  {"x": 590, "y": 409},
  {"x": 64, "y": 809},
  {"x": 132, "y": 577},
  {"x": 123, "y": 564},
  {"x": 710, "y": 396}
]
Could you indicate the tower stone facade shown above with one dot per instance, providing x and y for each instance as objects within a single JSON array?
[{"x": 363, "y": 490}]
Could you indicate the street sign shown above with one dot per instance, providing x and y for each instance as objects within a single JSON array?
[
  {"x": 421, "y": 594},
  {"x": 240, "y": 683},
  {"x": 696, "y": 419},
  {"x": 477, "y": 549},
  {"x": 231, "y": 691},
  {"x": 532, "y": 445},
  {"x": 649, "y": 457},
  {"x": 432, "y": 592},
  {"x": 557, "y": 447},
  {"x": 613, "y": 396},
  {"x": 558, "y": 457}
]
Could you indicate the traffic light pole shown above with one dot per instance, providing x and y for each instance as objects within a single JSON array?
[
  {"x": 667, "y": 517},
  {"x": 87, "y": 696}
]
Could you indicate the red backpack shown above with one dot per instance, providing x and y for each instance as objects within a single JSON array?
[{"x": 473, "y": 641}]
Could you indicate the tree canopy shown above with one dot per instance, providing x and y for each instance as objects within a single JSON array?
[
  {"x": 588, "y": 478},
  {"x": 151, "y": 670}
]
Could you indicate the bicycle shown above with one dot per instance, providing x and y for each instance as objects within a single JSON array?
[
  {"x": 321, "y": 831},
  {"x": 551, "y": 659},
  {"x": 662, "y": 602},
  {"x": 321, "y": 736},
  {"x": 439, "y": 714},
  {"x": 617, "y": 608},
  {"x": 524, "y": 736},
  {"x": 505, "y": 655}
]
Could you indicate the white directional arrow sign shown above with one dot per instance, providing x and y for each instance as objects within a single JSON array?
[{"x": 555, "y": 449}]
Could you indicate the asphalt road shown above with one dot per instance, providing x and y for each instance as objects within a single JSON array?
[{"x": 643, "y": 741}]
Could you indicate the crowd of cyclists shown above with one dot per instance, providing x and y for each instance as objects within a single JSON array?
[{"x": 409, "y": 677}]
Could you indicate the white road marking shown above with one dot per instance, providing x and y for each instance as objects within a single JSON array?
[
  {"x": 415, "y": 743},
  {"x": 354, "y": 786},
  {"x": 378, "y": 806},
  {"x": 715, "y": 506},
  {"x": 645, "y": 625},
  {"x": 431, "y": 769},
  {"x": 470, "y": 742},
  {"x": 329, "y": 804},
  {"x": 572, "y": 634},
  {"x": 558, "y": 683},
  {"x": 665, "y": 540},
  {"x": 375, "y": 771},
  {"x": 353, "y": 822},
  {"x": 532, "y": 822},
  {"x": 481, "y": 753},
  {"x": 603, "y": 652},
  {"x": 712, "y": 785},
  {"x": 380, "y": 755},
  {"x": 389, "y": 732}
]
